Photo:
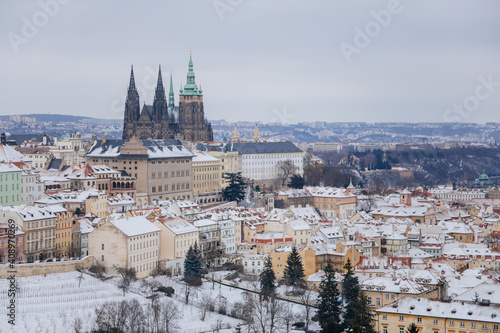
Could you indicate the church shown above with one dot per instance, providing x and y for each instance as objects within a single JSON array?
[{"x": 164, "y": 120}]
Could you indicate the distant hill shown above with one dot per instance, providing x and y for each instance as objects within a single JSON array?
[{"x": 52, "y": 117}]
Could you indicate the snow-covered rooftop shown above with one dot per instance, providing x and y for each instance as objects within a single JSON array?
[{"x": 133, "y": 226}]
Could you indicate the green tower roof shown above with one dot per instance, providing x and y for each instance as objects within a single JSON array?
[
  {"x": 190, "y": 88},
  {"x": 171, "y": 94}
]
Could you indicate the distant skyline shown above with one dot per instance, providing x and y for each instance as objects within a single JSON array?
[{"x": 280, "y": 61}]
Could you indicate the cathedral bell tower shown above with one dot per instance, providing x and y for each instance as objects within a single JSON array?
[
  {"x": 132, "y": 108},
  {"x": 192, "y": 123}
]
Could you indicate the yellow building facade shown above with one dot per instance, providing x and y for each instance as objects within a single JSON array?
[
  {"x": 278, "y": 259},
  {"x": 437, "y": 317}
]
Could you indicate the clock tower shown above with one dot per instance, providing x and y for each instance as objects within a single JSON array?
[{"x": 193, "y": 125}]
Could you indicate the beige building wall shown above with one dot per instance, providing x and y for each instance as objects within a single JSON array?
[
  {"x": 64, "y": 224},
  {"x": 156, "y": 179},
  {"x": 207, "y": 177},
  {"x": 175, "y": 245},
  {"x": 300, "y": 237},
  {"x": 230, "y": 163},
  {"x": 108, "y": 245},
  {"x": 40, "y": 236},
  {"x": 144, "y": 253},
  {"x": 308, "y": 257},
  {"x": 97, "y": 205},
  {"x": 111, "y": 247}
]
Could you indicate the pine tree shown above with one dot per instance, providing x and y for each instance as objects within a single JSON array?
[
  {"x": 236, "y": 188},
  {"x": 412, "y": 328},
  {"x": 267, "y": 278},
  {"x": 328, "y": 299},
  {"x": 294, "y": 270},
  {"x": 192, "y": 265},
  {"x": 297, "y": 181},
  {"x": 199, "y": 261},
  {"x": 363, "y": 321},
  {"x": 350, "y": 292},
  {"x": 358, "y": 316}
]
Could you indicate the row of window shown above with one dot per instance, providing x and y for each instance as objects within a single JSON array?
[
  {"x": 173, "y": 174},
  {"x": 13, "y": 197},
  {"x": 176, "y": 161},
  {"x": 436, "y": 322},
  {"x": 207, "y": 176},
  {"x": 14, "y": 176},
  {"x": 143, "y": 256},
  {"x": 175, "y": 187}
]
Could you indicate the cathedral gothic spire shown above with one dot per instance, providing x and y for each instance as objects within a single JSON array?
[
  {"x": 131, "y": 85},
  {"x": 171, "y": 94},
  {"x": 164, "y": 120},
  {"x": 160, "y": 112}
]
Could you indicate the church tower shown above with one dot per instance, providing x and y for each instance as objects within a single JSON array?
[
  {"x": 192, "y": 123},
  {"x": 236, "y": 136},
  {"x": 162, "y": 119},
  {"x": 256, "y": 135},
  {"x": 132, "y": 108},
  {"x": 160, "y": 111}
]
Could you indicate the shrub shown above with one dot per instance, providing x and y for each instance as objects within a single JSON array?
[{"x": 169, "y": 291}]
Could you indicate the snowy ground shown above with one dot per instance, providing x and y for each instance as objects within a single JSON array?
[{"x": 53, "y": 303}]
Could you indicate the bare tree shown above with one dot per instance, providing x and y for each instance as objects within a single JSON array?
[
  {"x": 169, "y": 314},
  {"x": 222, "y": 304},
  {"x": 149, "y": 287},
  {"x": 124, "y": 316},
  {"x": 128, "y": 275},
  {"x": 136, "y": 317},
  {"x": 287, "y": 316},
  {"x": 206, "y": 304},
  {"x": 266, "y": 314},
  {"x": 154, "y": 316},
  {"x": 97, "y": 270},
  {"x": 187, "y": 292},
  {"x": 306, "y": 297},
  {"x": 286, "y": 170}
]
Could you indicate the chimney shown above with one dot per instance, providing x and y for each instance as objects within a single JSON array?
[{"x": 104, "y": 138}]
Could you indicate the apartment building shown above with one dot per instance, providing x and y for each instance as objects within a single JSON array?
[{"x": 128, "y": 242}]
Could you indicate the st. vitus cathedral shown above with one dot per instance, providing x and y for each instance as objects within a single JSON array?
[{"x": 164, "y": 120}]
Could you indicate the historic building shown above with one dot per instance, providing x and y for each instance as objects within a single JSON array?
[
  {"x": 164, "y": 120},
  {"x": 162, "y": 169}
]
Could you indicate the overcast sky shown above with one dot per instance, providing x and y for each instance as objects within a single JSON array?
[{"x": 289, "y": 61}]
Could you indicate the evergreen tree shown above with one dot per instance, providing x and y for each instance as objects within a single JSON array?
[
  {"x": 412, "y": 328},
  {"x": 192, "y": 265},
  {"x": 294, "y": 270},
  {"x": 297, "y": 181},
  {"x": 328, "y": 299},
  {"x": 363, "y": 321},
  {"x": 236, "y": 188},
  {"x": 358, "y": 316},
  {"x": 267, "y": 278},
  {"x": 350, "y": 292}
]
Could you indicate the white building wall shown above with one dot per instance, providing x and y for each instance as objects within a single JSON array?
[
  {"x": 265, "y": 166},
  {"x": 31, "y": 190}
]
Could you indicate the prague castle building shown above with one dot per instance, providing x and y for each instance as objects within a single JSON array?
[{"x": 163, "y": 120}]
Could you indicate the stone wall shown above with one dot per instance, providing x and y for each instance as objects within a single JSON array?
[{"x": 22, "y": 270}]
